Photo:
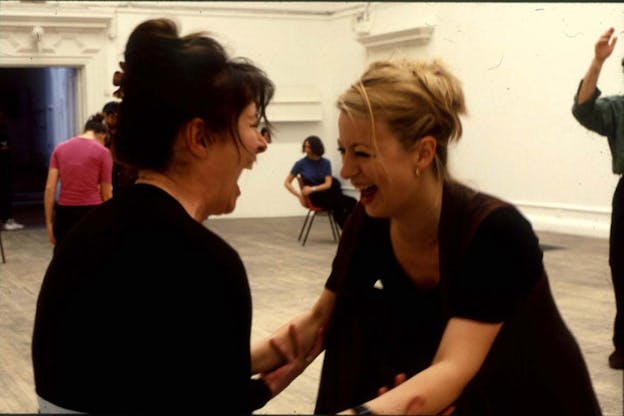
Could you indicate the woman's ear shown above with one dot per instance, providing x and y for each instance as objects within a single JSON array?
[
  {"x": 425, "y": 152},
  {"x": 195, "y": 136}
]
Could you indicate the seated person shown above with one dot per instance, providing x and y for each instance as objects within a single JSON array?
[{"x": 323, "y": 190}]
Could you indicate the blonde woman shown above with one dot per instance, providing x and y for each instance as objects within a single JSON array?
[{"x": 438, "y": 294}]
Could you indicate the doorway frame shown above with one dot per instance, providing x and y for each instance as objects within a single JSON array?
[{"x": 41, "y": 35}]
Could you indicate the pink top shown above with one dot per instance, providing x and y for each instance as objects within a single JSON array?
[{"x": 82, "y": 164}]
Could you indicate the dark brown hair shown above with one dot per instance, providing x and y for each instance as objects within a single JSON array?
[
  {"x": 169, "y": 80},
  {"x": 96, "y": 124}
]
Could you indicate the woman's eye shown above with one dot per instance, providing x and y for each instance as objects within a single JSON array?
[{"x": 362, "y": 154}]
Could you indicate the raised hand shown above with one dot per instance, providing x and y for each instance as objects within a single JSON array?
[{"x": 605, "y": 45}]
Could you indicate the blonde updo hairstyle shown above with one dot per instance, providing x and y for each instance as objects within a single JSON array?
[{"x": 416, "y": 98}]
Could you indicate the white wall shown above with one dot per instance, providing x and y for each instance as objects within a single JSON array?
[
  {"x": 289, "y": 50},
  {"x": 520, "y": 64}
]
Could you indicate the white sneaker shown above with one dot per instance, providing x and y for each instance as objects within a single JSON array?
[{"x": 11, "y": 225}]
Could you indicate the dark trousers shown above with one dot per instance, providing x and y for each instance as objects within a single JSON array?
[
  {"x": 5, "y": 185},
  {"x": 616, "y": 261},
  {"x": 333, "y": 198},
  {"x": 66, "y": 217}
]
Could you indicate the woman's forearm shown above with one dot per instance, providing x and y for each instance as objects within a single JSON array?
[{"x": 308, "y": 325}]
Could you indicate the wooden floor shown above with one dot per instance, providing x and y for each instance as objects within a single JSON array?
[{"x": 285, "y": 279}]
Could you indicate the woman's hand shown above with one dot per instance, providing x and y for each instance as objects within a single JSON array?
[
  {"x": 307, "y": 190},
  {"x": 50, "y": 230},
  {"x": 604, "y": 48},
  {"x": 303, "y": 201},
  {"x": 296, "y": 361}
]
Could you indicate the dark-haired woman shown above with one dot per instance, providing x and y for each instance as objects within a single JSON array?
[
  {"x": 320, "y": 186},
  {"x": 83, "y": 165},
  {"x": 143, "y": 308}
]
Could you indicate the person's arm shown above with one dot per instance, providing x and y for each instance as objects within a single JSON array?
[
  {"x": 106, "y": 178},
  {"x": 462, "y": 350},
  {"x": 48, "y": 202},
  {"x": 106, "y": 191},
  {"x": 603, "y": 49},
  {"x": 327, "y": 172},
  {"x": 307, "y": 190},
  {"x": 288, "y": 184},
  {"x": 265, "y": 357}
]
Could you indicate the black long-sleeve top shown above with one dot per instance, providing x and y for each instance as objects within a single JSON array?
[{"x": 144, "y": 309}]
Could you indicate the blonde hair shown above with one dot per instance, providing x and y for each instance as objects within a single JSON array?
[{"x": 416, "y": 98}]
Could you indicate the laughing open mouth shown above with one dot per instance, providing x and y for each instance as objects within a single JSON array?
[{"x": 367, "y": 194}]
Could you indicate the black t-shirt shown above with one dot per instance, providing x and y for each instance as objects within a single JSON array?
[
  {"x": 491, "y": 270},
  {"x": 503, "y": 262},
  {"x": 144, "y": 309}
]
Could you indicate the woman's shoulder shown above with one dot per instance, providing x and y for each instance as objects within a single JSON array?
[{"x": 467, "y": 210}]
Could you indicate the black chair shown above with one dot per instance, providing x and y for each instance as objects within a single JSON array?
[{"x": 313, "y": 211}]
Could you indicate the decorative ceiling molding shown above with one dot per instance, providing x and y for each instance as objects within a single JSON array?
[{"x": 50, "y": 19}]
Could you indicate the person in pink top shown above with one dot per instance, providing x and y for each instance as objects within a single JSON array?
[{"x": 84, "y": 167}]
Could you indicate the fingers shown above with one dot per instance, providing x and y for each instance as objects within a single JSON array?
[
  {"x": 606, "y": 36},
  {"x": 399, "y": 379}
]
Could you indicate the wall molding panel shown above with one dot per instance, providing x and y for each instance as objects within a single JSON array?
[{"x": 392, "y": 39}]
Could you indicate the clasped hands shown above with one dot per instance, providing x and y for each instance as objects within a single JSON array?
[{"x": 295, "y": 359}]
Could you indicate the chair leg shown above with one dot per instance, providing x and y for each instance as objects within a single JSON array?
[
  {"x": 308, "y": 230},
  {"x": 304, "y": 225},
  {"x": 332, "y": 224},
  {"x": 338, "y": 230},
  {"x": 2, "y": 249}
]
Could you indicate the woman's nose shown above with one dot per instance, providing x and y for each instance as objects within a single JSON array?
[
  {"x": 262, "y": 144},
  {"x": 348, "y": 168}
]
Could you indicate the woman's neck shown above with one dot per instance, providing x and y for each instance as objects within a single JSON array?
[
  {"x": 177, "y": 188},
  {"x": 89, "y": 134},
  {"x": 418, "y": 226}
]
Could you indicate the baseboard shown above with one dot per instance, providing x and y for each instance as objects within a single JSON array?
[{"x": 567, "y": 219}]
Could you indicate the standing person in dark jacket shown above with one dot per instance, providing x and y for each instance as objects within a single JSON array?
[
  {"x": 143, "y": 309},
  {"x": 605, "y": 116}
]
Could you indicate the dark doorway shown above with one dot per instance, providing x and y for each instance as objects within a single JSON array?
[{"x": 40, "y": 109}]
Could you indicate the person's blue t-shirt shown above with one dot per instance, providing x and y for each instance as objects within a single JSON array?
[{"x": 313, "y": 172}]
